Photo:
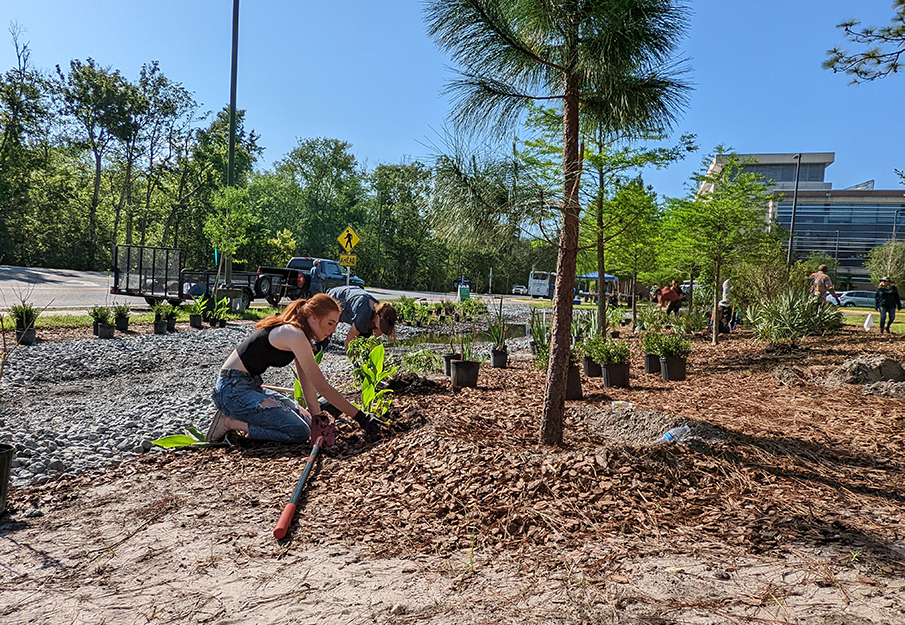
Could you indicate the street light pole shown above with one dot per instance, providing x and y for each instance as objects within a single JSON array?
[
  {"x": 794, "y": 208},
  {"x": 231, "y": 160}
]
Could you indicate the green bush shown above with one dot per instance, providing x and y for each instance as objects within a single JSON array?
[
  {"x": 422, "y": 361},
  {"x": 650, "y": 341},
  {"x": 121, "y": 311},
  {"x": 689, "y": 322},
  {"x": 606, "y": 351},
  {"x": 791, "y": 316},
  {"x": 651, "y": 317},
  {"x": 673, "y": 346},
  {"x": 100, "y": 314}
]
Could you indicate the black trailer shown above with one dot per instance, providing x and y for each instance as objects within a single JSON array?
[{"x": 155, "y": 274}]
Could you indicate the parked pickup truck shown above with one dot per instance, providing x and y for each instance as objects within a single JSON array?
[{"x": 295, "y": 278}]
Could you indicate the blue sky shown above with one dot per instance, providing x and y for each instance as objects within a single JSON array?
[{"x": 365, "y": 71}]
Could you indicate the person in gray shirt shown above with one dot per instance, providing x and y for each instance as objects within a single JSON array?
[{"x": 364, "y": 313}]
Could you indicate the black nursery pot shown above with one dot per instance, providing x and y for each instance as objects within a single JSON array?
[
  {"x": 499, "y": 358},
  {"x": 122, "y": 323},
  {"x": 651, "y": 363},
  {"x": 105, "y": 330},
  {"x": 573, "y": 383},
  {"x": 464, "y": 373},
  {"x": 195, "y": 321},
  {"x": 673, "y": 369},
  {"x": 592, "y": 369},
  {"x": 171, "y": 324},
  {"x": 615, "y": 376},
  {"x": 160, "y": 327},
  {"x": 447, "y": 359}
]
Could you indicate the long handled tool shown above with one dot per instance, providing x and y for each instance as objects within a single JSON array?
[{"x": 289, "y": 511}]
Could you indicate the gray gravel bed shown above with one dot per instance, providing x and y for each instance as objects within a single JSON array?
[{"x": 83, "y": 405}]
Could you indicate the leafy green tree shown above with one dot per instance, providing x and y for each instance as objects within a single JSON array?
[
  {"x": 227, "y": 229},
  {"x": 599, "y": 58},
  {"x": 885, "y": 46},
  {"x": 633, "y": 252},
  {"x": 887, "y": 260},
  {"x": 99, "y": 101},
  {"x": 721, "y": 224}
]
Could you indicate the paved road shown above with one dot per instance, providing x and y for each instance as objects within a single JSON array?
[
  {"x": 55, "y": 288},
  {"x": 68, "y": 290}
]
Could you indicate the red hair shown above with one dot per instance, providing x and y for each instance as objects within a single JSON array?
[{"x": 299, "y": 311}]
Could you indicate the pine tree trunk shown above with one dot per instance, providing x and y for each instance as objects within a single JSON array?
[{"x": 560, "y": 343}]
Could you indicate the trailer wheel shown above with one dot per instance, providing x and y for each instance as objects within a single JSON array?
[
  {"x": 264, "y": 286},
  {"x": 246, "y": 299},
  {"x": 274, "y": 299},
  {"x": 152, "y": 301},
  {"x": 174, "y": 302}
]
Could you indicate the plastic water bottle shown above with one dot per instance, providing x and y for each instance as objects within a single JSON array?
[{"x": 675, "y": 435}]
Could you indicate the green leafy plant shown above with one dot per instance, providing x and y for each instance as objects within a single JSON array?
[
  {"x": 359, "y": 350},
  {"x": 584, "y": 323},
  {"x": 540, "y": 334},
  {"x": 422, "y": 361},
  {"x": 297, "y": 393},
  {"x": 613, "y": 317},
  {"x": 613, "y": 353},
  {"x": 650, "y": 341},
  {"x": 651, "y": 317},
  {"x": 792, "y": 316},
  {"x": 592, "y": 347},
  {"x": 221, "y": 309},
  {"x": 191, "y": 438},
  {"x": 100, "y": 314},
  {"x": 160, "y": 309},
  {"x": 466, "y": 345},
  {"x": 496, "y": 328},
  {"x": 673, "y": 346},
  {"x": 121, "y": 311},
  {"x": 172, "y": 311},
  {"x": 372, "y": 372},
  {"x": 689, "y": 322},
  {"x": 196, "y": 306}
]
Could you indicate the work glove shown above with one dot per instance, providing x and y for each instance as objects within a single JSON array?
[
  {"x": 369, "y": 423},
  {"x": 326, "y": 406}
]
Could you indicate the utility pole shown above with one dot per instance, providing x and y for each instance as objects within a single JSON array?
[
  {"x": 231, "y": 162},
  {"x": 794, "y": 208}
]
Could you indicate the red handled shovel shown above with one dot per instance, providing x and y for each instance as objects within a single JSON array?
[{"x": 289, "y": 511}]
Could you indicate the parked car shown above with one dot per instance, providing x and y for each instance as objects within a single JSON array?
[
  {"x": 520, "y": 289},
  {"x": 857, "y": 298}
]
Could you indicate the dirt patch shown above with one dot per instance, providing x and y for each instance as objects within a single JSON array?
[
  {"x": 866, "y": 369},
  {"x": 407, "y": 383},
  {"x": 784, "y": 507}
]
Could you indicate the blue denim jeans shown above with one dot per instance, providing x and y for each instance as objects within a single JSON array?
[
  {"x": 892, "y": 317},
  {"x": 239, "y": 395}
]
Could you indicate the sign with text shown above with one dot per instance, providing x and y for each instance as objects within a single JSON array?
[
  {"x": 348, "y": 239},
  {"x": 348, "y": 260}
]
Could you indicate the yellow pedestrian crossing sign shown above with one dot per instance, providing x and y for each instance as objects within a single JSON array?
[{"x": 348, "y": 239}]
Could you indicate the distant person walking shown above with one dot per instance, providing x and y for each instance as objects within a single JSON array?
[
  {"x": 887, "y": 302},
  {"x": 823, "y": 284}
]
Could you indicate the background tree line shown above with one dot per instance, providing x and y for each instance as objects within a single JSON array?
[{"x": 90, "y": 158}]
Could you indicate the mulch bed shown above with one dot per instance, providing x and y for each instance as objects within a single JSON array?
[{"x": 769, "y": 465}]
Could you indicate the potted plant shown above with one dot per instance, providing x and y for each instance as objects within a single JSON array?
[
  {"x": 590, "y": 352},
  {"x": 160, "y": 322},
  {"x": 613, "y": 320},
  {"x": 540, "y": 337},
  {"x": 673, "y": 351},
  {"x": 450, "y": 356},
  {"x": 614, "y": 357},
  {"x": 196, "y": 312},
  {"x": 650, "y": 345},
  {"x": 218, "y": 315},
  {"x": 573, "y": 378},
  {"x": 121, "y": 314},
  {"x": 25, "y": 316},
  {"x": 99, "y": 314},
  {"x": 464, "y": 373},
  {"x": 170, "y": 316},
  {"x": 499, "y": 355}
]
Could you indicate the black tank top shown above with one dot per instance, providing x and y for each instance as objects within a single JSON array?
[{"x": 257, "y": 354}]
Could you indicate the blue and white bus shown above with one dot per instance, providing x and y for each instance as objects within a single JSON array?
[{"x": 541, "y": 284}]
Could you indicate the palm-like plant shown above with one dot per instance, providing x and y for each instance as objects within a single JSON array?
[{"x": 606, "y": 59}]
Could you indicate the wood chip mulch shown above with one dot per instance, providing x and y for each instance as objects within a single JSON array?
[{"x": 772, "y": 465}]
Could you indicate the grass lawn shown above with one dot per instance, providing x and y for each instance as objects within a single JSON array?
[{"x": 856, "y": 317}]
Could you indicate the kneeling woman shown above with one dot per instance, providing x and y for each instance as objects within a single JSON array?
[{"x": 243, "y": 405}]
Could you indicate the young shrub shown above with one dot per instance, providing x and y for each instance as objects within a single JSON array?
[
  {"x": 496, "y": 328},
  {"x": 121, "y": 311},
  {"x": 422, "y": 361},
  {"x": 650, "y": 342},
  {"x": 791, "y": 316},
  {"x": 673, "y": 346},
  {"x": 614, "y": 353},
  {"x": 99, "y": 314}
]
